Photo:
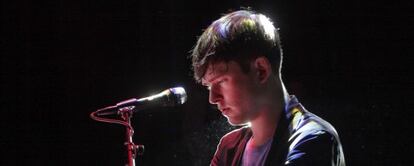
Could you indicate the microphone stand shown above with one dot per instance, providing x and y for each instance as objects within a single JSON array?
[{"x": 126, "y": 114}]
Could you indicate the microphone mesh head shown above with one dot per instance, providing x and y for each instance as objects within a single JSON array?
[{"x": 180, "y": 94}]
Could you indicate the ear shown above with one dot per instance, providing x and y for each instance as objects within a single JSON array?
[{"x": 263, "y": 69}]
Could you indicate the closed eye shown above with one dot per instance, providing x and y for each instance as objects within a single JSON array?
[{"x": 219, "y": 81}]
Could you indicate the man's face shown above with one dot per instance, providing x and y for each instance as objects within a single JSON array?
[{"x": 233, "y": 91}]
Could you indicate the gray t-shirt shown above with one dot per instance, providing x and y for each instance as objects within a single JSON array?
[{"x": 256, "y": 156}]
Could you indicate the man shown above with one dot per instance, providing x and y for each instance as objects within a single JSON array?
[{"x": 239, "y": 58}]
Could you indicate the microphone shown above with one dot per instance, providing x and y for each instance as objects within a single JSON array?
[{"x": 167, "y": 98}]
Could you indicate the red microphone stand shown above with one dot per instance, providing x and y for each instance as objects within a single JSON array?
[{"x": 126, "y": 115}]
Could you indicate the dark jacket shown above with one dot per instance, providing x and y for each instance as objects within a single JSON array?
[{"x": 301, "y": 138}]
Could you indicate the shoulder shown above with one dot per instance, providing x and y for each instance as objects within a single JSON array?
[
  {"x": 305, "y": 124},
  {"x": 232, "y": 138},
  {"x": 311, "y": 128},
  {"x": 315, "y": 142},
  {"x": 312, "y": 149},
  {"x": 229, "y": 143}
]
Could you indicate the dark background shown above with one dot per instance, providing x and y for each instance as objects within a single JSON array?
[{"x": 346, "y": 61}]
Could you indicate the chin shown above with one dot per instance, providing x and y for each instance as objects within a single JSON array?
[{"x": 238, "y": 123}]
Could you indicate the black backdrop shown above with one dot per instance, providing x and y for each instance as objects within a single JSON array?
[{"x": 60, "y": 60}]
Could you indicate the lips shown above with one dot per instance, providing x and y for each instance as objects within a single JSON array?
[{"x": 225, "y": 111}]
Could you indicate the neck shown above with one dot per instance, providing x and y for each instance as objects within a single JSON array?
[{"x": 265, "y": 123}]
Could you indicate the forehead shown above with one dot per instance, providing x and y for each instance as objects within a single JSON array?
[{"x": 214, "y": 70}]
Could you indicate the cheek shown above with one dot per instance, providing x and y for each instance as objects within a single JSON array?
[
  {"x": 239, "y": 93},
  {"x": 248, "y": 94}
]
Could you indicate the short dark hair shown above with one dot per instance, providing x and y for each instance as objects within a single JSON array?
[{"x": 239, "y": 36}]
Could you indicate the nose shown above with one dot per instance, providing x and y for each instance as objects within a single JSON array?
[{"x": 214, "y": 95}]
